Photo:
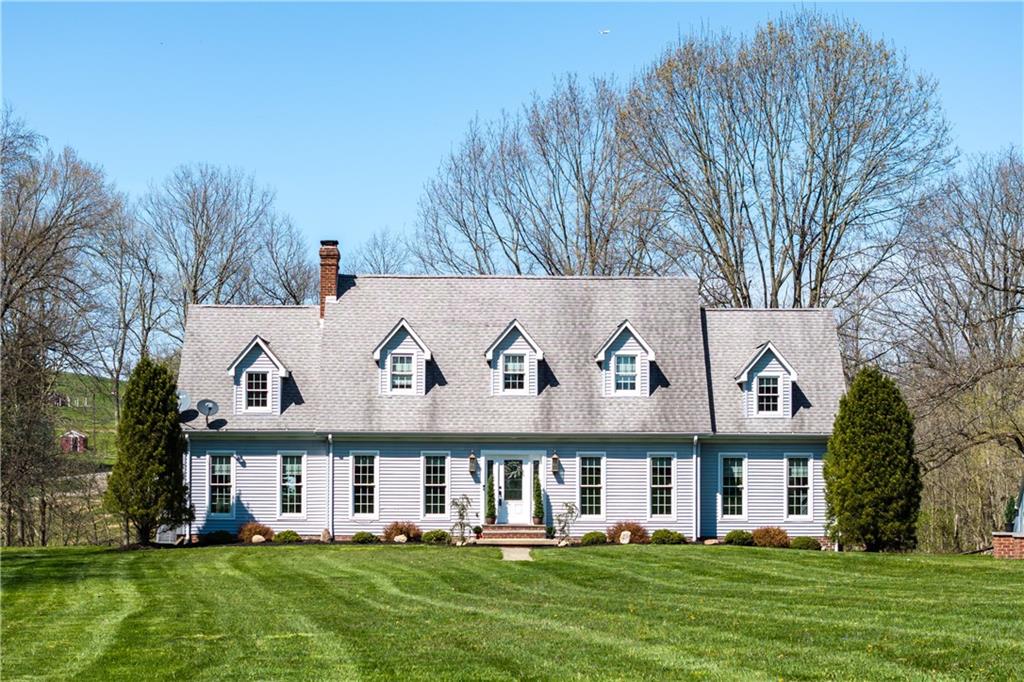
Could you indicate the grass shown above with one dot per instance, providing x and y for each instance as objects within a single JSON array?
[
  {"x": 342, "y": 611},
  {"x": 93, "y": 415}
]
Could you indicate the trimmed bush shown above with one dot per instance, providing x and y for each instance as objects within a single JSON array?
[
  {"x": 287, "y": 536},
  {"x": 739, "y": 537},
  {"x": 771, "y": 536},
  {"x": 437, "y": 537},
  {"x": 365, "y": 537},
  {"x": 638, "y": 534},
  {"x": 218, "y": 537},
  {"x": 805, "y": 543},
  {"x": 246, "y": 532},
  {"x": 594, "y": 537},
  {"x": 664, "y": 536},
  {"x": 409, "y": 529}
]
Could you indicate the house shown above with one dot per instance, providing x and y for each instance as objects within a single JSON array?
[
  {"x": 74, "y": 441},
  {"x": 396, "y": 394}
]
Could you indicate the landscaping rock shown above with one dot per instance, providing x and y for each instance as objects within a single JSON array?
[
  {"x": 325, "y": 536},
  {"x": 624, "y": 537},
  {"x": 257, "y": 539},
  {"x": 563, "y": 543},
  {"x": 401, "y": 539}
]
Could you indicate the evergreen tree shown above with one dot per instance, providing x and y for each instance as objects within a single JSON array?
[
  {"x": 147, "y": 485},
  {"x": 873, "y": 482}
]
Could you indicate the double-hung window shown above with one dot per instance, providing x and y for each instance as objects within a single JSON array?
[
  {"x": 767, "y": 395},
  {"x": 364, "y": 484},
  {"x": 513, "y": 374},
  {"x": 401, "y": 372},
  {"x": 661, "y": 485},
  {"x": 221, "y": 485},
  {"x": 590, "y": 486},
  {"x": 291, "y": 484},
  {"x": 732, "y": 486},
  {"x": 257, "y": 391},
  {"x": 798, "y": 486},
  {"x": 435, "y": 486},
  {"x": 625, "y": 373}
]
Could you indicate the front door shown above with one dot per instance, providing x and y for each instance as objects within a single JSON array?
[{"x": 511, "y": 492}]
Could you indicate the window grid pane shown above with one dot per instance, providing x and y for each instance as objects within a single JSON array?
[
  {"x": 220, "y": 484},
  {"x": 767, "y": 394},
  {"x": 590, "y": 486},
  {"x": 434, "y": 488},
  {"x": 514, "y": 373},
  {"x": 363, "y": 484},
  {"x": 256, "y": 389},
  {"x": 661, "y": 486},
  {"x": 401, "y": 372},
  {"x": 798, "y": 487},
  {"x": 732, "y": 486},
  {"x": 625, "y": 372},
  {"x": 291, "y": 484}
]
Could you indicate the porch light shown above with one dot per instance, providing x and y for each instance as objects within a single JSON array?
[
  {"x": 472, "y": 462},
  {"x": 554, "y": 463}
]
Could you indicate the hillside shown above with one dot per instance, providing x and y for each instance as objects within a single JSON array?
[{"x": 89, "y": 407}]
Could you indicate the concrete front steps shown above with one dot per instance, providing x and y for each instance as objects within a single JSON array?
[
  {"x": 514, "y": 542},
  {"x": 514, "y": 531}
]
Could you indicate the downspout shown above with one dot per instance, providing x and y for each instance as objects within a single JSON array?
[
  {"x": 188, "y": 478},
  {"x": 330, "y": 484},
  {"x": 696, "y": 487}
]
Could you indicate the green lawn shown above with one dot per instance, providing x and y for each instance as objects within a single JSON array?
[{"x": 331, "y": 612}]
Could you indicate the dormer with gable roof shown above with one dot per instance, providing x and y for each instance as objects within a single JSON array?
[
  {"x": 514, "y": 358},
  {"x": 625, "y": 359},
  {"x": 257, "y": 373},
  {"x": 402, "y": 359},
  {"x": 767, "y": 382}
]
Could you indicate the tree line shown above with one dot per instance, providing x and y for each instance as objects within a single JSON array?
[{"x": 806, "y": 164}]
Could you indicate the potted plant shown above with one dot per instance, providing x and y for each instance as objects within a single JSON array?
[
  {"x": 1009, "y": 515},
  {"x": 538, "y": 501},
  {"x": 478, "y": 531},
  {"x": 490, "y": 512}
]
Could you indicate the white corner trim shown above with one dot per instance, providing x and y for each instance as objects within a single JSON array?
[
  {"x": 625, "y": 325},
  {"x": 402, "y": 324}
]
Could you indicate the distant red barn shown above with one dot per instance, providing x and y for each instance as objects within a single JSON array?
[{"x": 74, "y": 441}]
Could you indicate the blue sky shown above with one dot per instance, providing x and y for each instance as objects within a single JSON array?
[{"x": 347, "y": 109}]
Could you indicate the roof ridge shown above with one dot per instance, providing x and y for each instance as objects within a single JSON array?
[{"x": 671, "y": 278}]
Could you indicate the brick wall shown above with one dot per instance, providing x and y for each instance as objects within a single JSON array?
[{"x": 1008, "y": 546}]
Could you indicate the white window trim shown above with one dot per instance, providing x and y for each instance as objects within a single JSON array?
[
  {"x": 280, "y": 460},
  {"x": 245, "y": 393},
  {"x": 447, "y": 483},
  {"x": 637, "y": 390},
  {"x": 604, "y": 485},
  {"x": 210, "y": 454},
  {"x": 671, "y": 516},
  {"x": 810, "y": 486},
  {"x": 746, "y": 486},
  {"x": 352, "y": 485},
  {"x": 391, "y": 368},
  {"x": 525, "y": 390},
  {"x": 754, "y": 387}
]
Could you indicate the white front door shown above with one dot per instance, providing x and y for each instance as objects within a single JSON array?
[{"x": 512, "y": 491}]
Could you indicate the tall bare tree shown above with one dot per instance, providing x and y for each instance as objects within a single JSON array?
[
  {"x": 286, "y": 273},
  {"x": 546, "y": 191},
  {"x": 383, "y": 253},
  {"x": 790, "y": 155}
]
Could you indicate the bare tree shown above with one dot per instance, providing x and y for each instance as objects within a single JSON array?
[
  {"x": 545, "y": 191},
  {"x": 383, "y": 253},
  {"x": 790, "y": 155},
  {"x": 286, "y": 273}
]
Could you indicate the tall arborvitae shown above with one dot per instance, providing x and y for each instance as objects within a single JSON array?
[
  {"x": 147, "y": 486},
  {"x": 873, "y": 482}
]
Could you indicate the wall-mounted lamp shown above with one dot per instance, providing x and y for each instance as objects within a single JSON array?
[
  {"x": 554, "y": 463},
  {"x": 472, "y": 463}
]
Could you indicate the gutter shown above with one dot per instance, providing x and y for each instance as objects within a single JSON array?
[
  {"x": 330, "y": 483},
  {"x": 188, "y": 478},
  {"x": 696, "y": 488}
]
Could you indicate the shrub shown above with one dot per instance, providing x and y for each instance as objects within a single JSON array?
[
  {"x": 437, "y": 537},
  {"x": 287, "y": 536},
  {"x": 538, "y": 498},
  {"x": 594, "y": 537},
  {"x": 549, "y": 532},
  {"x": 217, "y": 537},
  {"x": 409, "y": 529},
  {"x": 771, "y": 536},
  {"x": 873, "y": 482},
  {"x": 490, "y": 510},
  {"x": 637, "y": 534},
  {"x": 805, "y": 543},
  {"x": 246, "y": 532},
  {"x": 664, "y": 536},
  {"x": 364, "y": 537},
  {"x": 478, "y": 530},
  {"x": 739, "y": 537}
]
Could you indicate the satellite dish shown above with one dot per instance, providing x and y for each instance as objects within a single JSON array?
[
  {"x": 207, "y": 407},
  {"x": 184, "y": 401}
]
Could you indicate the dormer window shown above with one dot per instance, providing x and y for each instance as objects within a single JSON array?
[
  {"x": 257, "y": 391},
  {"x": 625, "y": 359},
  {"x": 767, "y": 383},
  {"x": 625, "y": 373},
  {"x": 767, "y": 395},
  {"x": 401, "y": 372},
  {"x": 514, "y": 372}
]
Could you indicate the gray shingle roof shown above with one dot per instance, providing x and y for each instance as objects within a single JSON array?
[{"x": 334, "y": 383}]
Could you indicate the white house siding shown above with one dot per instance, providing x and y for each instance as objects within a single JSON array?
[
  {"x": 257, "y": 360},
  {"x": 514, "y": 343},
  {"x": 256, "y": 481},
  {"x": 768, "y": 364},
  {"x": 626, "y": 343},
  {"x": 766, "y": 487},
  {"x": 402, "y": 342}
]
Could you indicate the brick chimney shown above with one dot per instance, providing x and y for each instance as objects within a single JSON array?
[{"x": 329, "y": 257}]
